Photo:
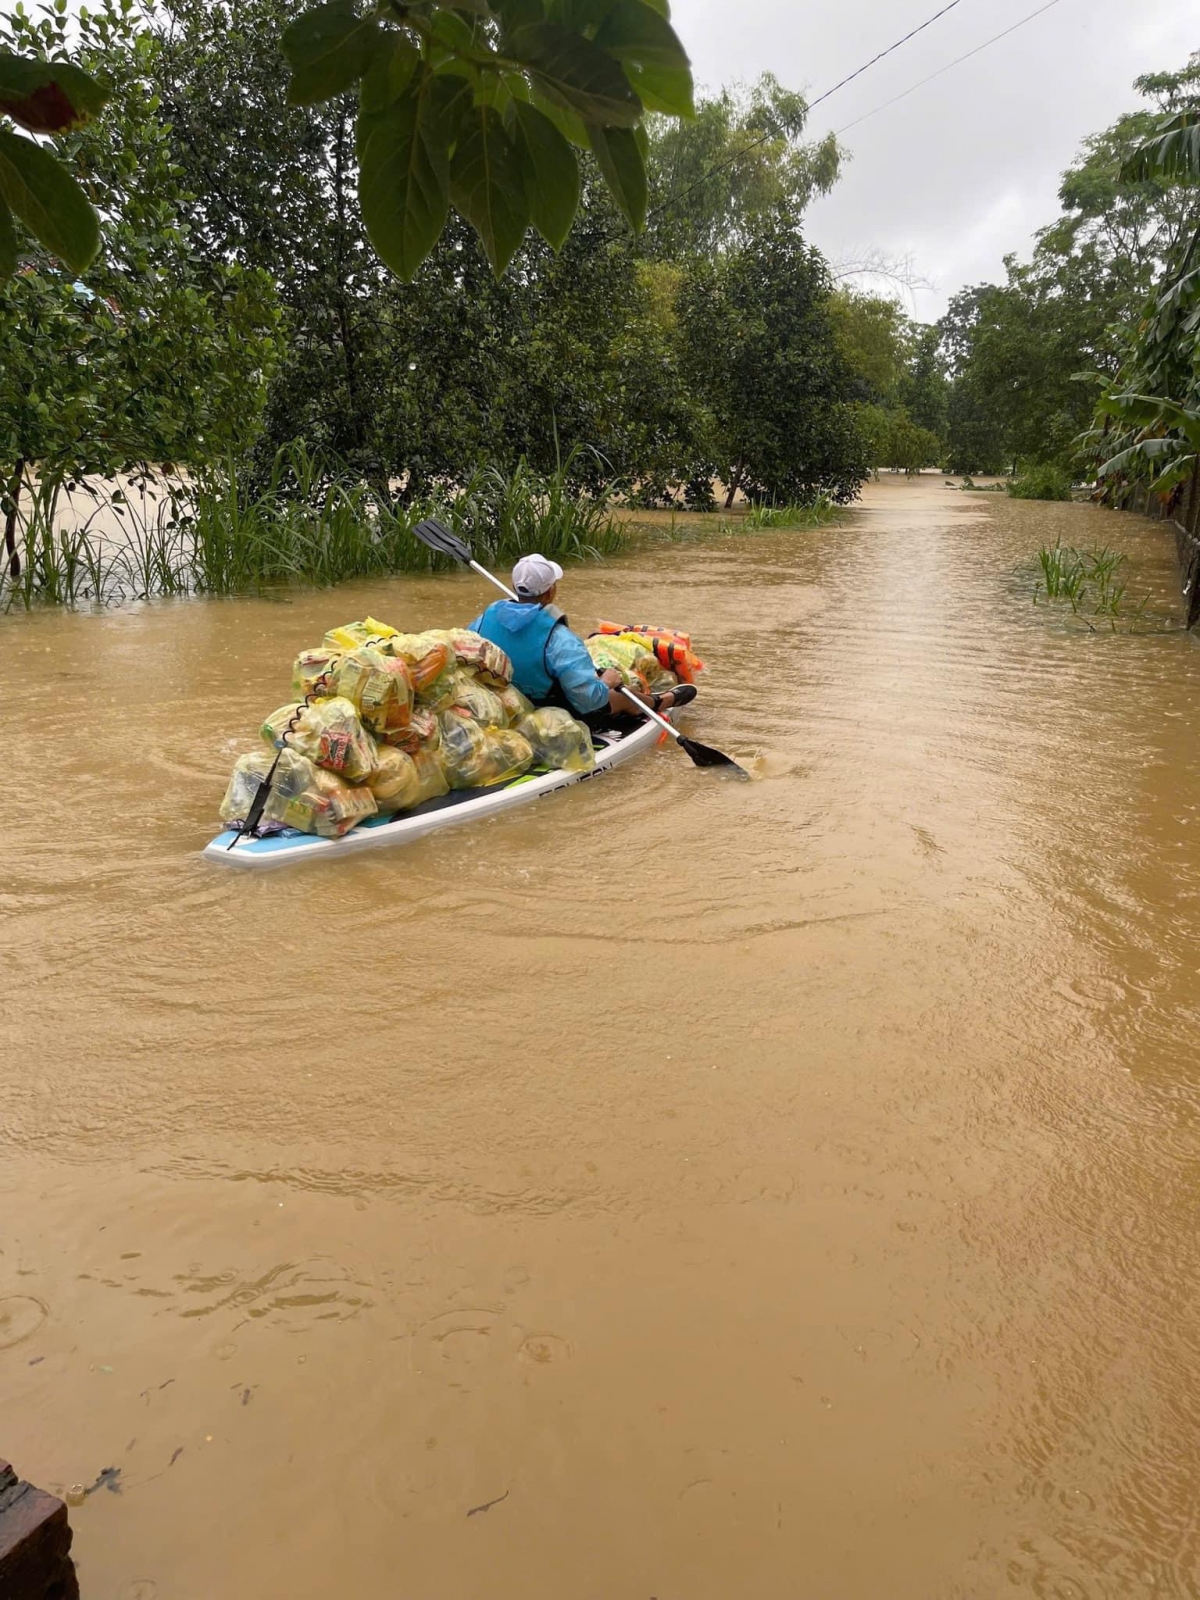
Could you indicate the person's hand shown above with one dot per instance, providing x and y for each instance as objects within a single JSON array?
[{"x": 612, "y": 678}]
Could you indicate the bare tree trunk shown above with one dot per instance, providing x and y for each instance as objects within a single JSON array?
[
  {"x": 345, "y": 331},
  {"x": 735, "y": 483},
  {"x": 12, "y": 504}
]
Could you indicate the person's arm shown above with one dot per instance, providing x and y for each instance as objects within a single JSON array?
[{"x": 569, "y": 662}]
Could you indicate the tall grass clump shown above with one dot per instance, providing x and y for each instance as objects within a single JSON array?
[
  {"x": 809, "y": 514},
  {"x": 510, "y": 514},
  {"x": 1089, "y": 581},
  {"x": 311, "y": 522}
]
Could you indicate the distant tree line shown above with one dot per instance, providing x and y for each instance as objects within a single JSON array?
[
  {"x": 239, "y": 301},
  {"x": 1029, "y": 358}
]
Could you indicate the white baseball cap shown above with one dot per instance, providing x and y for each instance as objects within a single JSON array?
[{"x": 533, "y": 575}]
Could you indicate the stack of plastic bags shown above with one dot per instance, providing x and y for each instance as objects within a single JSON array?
[{"x": 383, "y": 721}]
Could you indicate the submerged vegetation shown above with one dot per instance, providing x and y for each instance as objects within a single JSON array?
[
  {"x": 810, "y": 514},
  {"x": 312, "y": 522},
  {"x": 1090, "y": 582}
]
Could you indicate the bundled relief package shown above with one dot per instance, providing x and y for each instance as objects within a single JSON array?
[
  {"x": 378, "y": 686},
  {"x": 312, "y": 672},
  {"x": 638, "y": 666},
  {"x": 292, "y": 776},
  {"x": 471, "y": 699},
  {"x": 486, "y": 660},
  {"x": 303, "y": 796},
  {"x": 557, "y": 740},
  {"x": 401, "y": 781},
  {"x": 329, "y": 733},
  {"x": 473, "y": 756},
  {"x": 516, "y": 705},
  {"x": 431, "y": 663},
  {"x": 422, "y": 733},
  {"x": 353, "y": 634}
]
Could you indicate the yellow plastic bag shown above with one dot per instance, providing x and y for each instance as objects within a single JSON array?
[
  {"x": 637, "y": 665},
  {"x": 308, "y": 669},
  {"x": 402, "y": 781},
  {"x": 292, "y": 776},
  {"x": 557, "y": 740},
  {"x": 395, "y": 782},
  {"x": 329, "y": 733},
  {"x": 379, "y": 687},
  {"x": 431, "y": 662},
  {"x": 473, "y": 757},
  {"x": 486, "y": 660},
  {"x": 422, "y": 733},
  {"x": 516, "y": 705},
  {"x": 430, "y": 776},
  {"x": 353, "y": 634},
  {"x": 471, "y": 699},
  {"x": 328, "y": 806}
]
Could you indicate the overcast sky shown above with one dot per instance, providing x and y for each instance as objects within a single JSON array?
[{"x": 966, "y": 169}]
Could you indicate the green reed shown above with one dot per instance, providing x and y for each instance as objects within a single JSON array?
[
  {"x": 312, "y": 522},
  {"x": 1089, "y": 581},
  {"x": 793, "y": 514}
]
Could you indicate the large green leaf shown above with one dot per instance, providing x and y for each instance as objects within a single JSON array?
[
  {"x": 569, "y": 123},
  {"x": 328, "y": 49},
  {"x": 39, "y": 189},
  {"x": 487, "y": 184},
  {"x": 47, "y": 96},
  {"x": 648, "y": 46},
  {"x": 403, "y": 177},
  {"x": 619, "y": 156},
  {"x": 8, "y": 242},
  {"x": 389, "y": 74},
  {"x": 575, "y": 73},
  {"x": 1173, "y": 154},
  {"x": 551, "y": 174}
]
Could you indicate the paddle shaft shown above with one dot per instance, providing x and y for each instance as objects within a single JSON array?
[{"x": 628, "y": 693}]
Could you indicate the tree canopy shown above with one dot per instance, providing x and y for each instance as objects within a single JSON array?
[{"x": 1026, "y": 355}]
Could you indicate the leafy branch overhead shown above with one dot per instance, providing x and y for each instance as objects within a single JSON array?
[
  {"x": 44, "y": 97},
  {"x": 481, "y": 105}
]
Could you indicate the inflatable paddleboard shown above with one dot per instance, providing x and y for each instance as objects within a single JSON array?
[{"x": 463, "y": 805}]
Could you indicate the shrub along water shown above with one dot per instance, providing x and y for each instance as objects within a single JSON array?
[
  {"x": 1045, "y": 482},
  {"x": 311, "y": 522}
]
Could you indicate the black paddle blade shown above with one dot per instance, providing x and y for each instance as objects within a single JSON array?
[
  {"x": 438, "y": 537},
  {"x": 705, "y": 756}
]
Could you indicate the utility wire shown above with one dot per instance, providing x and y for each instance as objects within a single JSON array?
[
  {"x": 857, "y": 73},
  {"x": 928, "y": 23},
  {"x": 995, "y": 39}
]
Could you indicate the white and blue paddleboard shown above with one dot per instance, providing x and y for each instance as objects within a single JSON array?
[{"x": 463, "y": 805}]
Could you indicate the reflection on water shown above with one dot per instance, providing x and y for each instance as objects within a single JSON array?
[{"x": 775, "y": 1189}]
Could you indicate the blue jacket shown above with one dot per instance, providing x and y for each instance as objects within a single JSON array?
[{"x": 543, "y": 650}]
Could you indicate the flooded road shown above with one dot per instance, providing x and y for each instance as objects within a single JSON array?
[{"x": 676, "y": 1189}]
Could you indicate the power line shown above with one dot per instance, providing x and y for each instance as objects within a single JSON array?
[
  {"x": 928, "y": 23},
  {"x": 995, "y": 39},
  {"x": 857, "y": 73}
]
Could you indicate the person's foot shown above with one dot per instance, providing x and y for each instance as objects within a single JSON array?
[{"x": 683, "y": 695}]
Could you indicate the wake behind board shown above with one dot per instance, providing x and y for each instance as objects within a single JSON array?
[{"x": 463, "y": 805}]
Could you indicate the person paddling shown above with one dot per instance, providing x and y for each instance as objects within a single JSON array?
[{"x": 550, "y": 663}]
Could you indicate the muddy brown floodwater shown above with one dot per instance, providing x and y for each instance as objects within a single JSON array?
[{"x": 677, "y": 1189}]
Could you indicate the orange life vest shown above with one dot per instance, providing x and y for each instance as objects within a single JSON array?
[{"x": 673, "y": 648}]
